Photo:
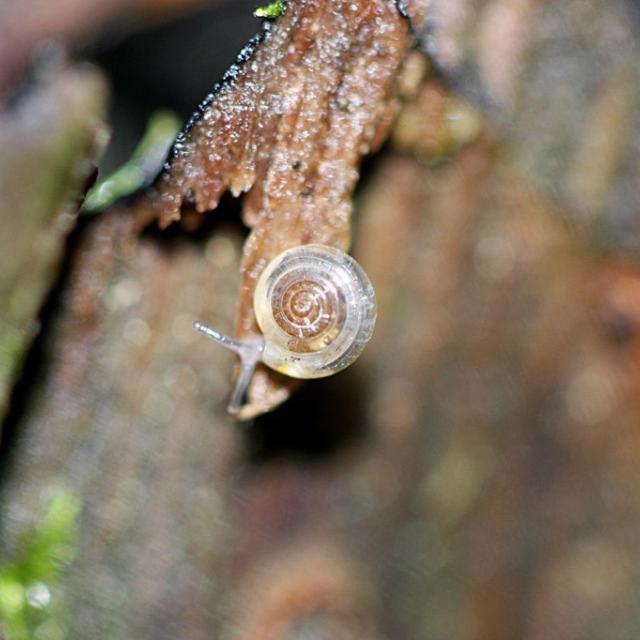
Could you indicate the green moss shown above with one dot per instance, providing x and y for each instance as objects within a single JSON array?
[
  {"x": 29, "y": 600},
  {"x": 271, "y": 10},
  {"x": 144, "y": 163}
]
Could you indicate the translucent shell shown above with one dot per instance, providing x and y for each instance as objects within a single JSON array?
[{"x": 316, "y": 309}]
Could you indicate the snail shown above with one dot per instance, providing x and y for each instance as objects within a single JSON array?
[{"x": 316, "y": 309}]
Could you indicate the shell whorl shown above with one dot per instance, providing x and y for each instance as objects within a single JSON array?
[
  {"x": 309, "y": 308},
  {"x": 316, "y": 309}
]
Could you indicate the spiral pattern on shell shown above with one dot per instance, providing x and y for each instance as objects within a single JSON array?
[
  {"x": 305, "y": 308},
  {"x": 316, "y": 309}
]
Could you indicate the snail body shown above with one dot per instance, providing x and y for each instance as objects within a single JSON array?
[{"x": 316, "y": 309}]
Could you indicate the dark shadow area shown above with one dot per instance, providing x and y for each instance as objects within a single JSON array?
[
  {"x": 172, "y": 65},
  {"x": 323, "y": 417},
  {"x": 198, "y": 227}
]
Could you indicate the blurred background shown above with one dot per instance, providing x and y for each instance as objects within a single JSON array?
[{"x": 474, "y": 476}]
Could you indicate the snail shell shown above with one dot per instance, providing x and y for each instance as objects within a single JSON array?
[{"x": 316, "y": 309}]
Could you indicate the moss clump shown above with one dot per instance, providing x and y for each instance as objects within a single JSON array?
[
  {"x": 271, "y": 10},
  {"x": 144, "y": 164},
  {"x": 30, "y": 604}
]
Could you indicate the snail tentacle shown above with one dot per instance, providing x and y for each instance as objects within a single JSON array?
[{"x": 250, "y": 353}]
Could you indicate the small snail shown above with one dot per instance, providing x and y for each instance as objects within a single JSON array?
[{"x": 316, "y": 309}]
